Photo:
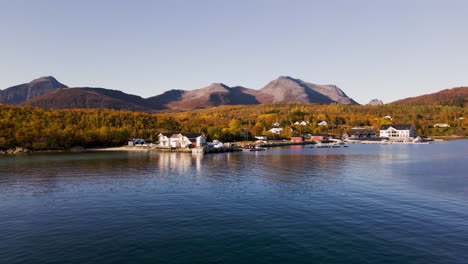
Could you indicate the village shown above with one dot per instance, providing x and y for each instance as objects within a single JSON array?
[{"x": 198, "y": 142}]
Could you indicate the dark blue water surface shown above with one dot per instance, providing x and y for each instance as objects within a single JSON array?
[{"x": 362, "y": 204}]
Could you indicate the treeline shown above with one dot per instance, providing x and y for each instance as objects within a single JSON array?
[{"x": 35, "y": 128}]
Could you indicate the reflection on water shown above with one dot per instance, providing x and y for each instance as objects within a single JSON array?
[
  {"x": 298, "y": 165},
  {"x": 283, "y": 205}
]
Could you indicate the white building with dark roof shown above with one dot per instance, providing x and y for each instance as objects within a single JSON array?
[
  {"x": 360, "y": 134},
  {"x": 397, "y": 131}
]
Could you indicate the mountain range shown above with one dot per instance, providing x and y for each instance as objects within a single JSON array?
[{"x": 47, "y": 92}]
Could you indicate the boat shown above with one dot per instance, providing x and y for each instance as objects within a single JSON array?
[
  {"x": 253, "y": 148},
  {"x": 334, "y": 145},
  {"x": 257, "y": 149}
]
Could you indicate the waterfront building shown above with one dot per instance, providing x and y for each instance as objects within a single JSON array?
[
  {"x": 184, "y": 140},
  {"x": 319, "y": 137},
  {"x": 163, "y": 139},
  {"x": 297, "y": 139},
  {"x": 360, "y": 134},
  {"x": 397, "y": 131}
]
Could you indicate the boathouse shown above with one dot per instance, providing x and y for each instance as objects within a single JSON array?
[
  {"x": 319, "y": 137},
  {"x": 297, "y": 139},
  {"x": 360, "y": 134}
]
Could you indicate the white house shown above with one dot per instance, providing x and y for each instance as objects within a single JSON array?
[
  {"x": 322, "y": 123},
  {"x": 262, "y": 137},
  {"x": 183, "y": 140},
  {"x": 397, "y": 131},
  {"x": 163, "y": 139},
  {"x": 276, "y": 130},
  {"x": 191, "y": 139},
  {"x": 303, "y": 123},
  {"x": 276, "y": 124},
  {"x": 389, "y": 117}
]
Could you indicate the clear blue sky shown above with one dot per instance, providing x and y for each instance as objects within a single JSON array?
[{"x": 369, "y": 48}]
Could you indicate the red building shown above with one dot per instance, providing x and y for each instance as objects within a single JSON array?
[
  {"x": 297, "y": 139},
  {"x": 320, "y": 137}
]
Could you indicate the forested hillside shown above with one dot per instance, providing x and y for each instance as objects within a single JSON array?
[
  {"x": 36, "y": 128},
  {"x": 453, "y": 97}
]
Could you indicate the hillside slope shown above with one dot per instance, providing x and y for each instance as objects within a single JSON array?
[
  {"x": 454, "y": 97},
  {"x": 85, "y": 98}
]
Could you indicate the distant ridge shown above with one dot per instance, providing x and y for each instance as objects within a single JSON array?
[
  {"x": 70, "y": 98},
  {"x": 214, "y": 95},
  {"x": 375, "y": 102},
  {"x": 455, "y": 97},
  {"x": 47, "y": 92},
  {"x": 285, "y": 89}
]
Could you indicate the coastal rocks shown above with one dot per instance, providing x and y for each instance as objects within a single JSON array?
[{"x": 17, "y": 150}]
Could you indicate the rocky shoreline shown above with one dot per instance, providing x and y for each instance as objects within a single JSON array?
[{"x": 17, "y": 150}]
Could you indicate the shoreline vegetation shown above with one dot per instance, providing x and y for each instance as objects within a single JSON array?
[{"x": 24, "y": 129}]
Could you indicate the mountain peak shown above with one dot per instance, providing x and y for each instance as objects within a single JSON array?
[
  {"x": 44, "y": 79},
  {"x": 375, "y": 102},
  {"x": 219, "y": 85},
  {"x": 288, "y": 89},
  {"x": 23, "y": 92},
  {"x": 287, "y": 78}
]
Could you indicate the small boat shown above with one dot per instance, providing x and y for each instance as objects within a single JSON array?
[
  {"x": 253, "y": 148},
  {"x": 257, "y": 149}
]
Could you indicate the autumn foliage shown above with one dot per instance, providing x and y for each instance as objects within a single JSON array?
[{"x": 36, "y": 128}]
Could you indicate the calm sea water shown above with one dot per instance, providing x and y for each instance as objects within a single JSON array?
[{"x": 362, "y": 204}]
